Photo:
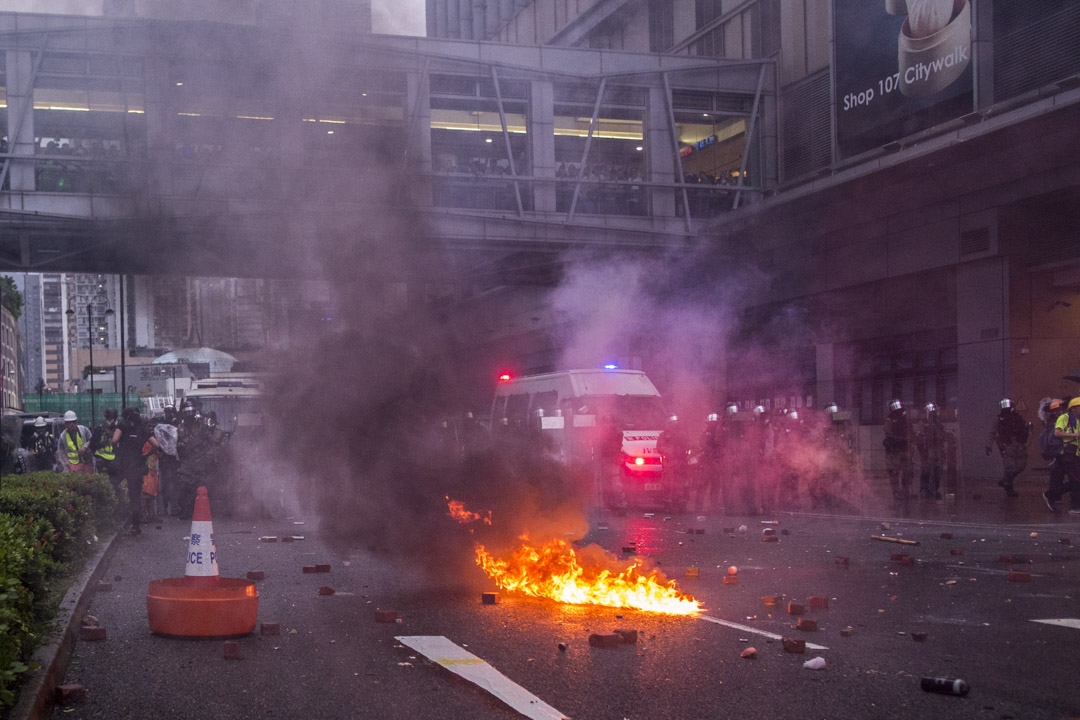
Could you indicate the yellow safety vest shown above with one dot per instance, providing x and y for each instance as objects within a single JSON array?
[
  {"x": 72, "y": 447},
  {"x": 106, "y": 451}
]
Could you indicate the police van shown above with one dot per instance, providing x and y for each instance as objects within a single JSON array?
[{"x": 568, "y": 407}]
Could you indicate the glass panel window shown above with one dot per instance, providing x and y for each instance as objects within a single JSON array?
[{"x": 711, "y": 148}]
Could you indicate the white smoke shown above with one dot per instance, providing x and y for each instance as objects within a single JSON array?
[
  {"x": 398, "y": 17},
  {"x": 926, "y": 17}
]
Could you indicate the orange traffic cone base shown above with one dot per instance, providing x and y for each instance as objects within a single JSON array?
[{"x": 228, "y": 608}]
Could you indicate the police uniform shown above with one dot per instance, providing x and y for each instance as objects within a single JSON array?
[{"x": 898, "y": 453}]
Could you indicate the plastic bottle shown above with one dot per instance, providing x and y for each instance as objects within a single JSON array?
[{"x": 945, "y": 686}]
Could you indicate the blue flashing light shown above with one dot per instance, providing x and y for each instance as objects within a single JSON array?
[{"x": 611, "y": 366}]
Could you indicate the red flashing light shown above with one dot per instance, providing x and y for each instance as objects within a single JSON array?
[
  {"x": 505, "y": 377},
  {"x": 639, "y": 461}
]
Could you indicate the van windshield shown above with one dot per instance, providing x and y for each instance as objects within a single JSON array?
[{"x": 631, "y": 412}]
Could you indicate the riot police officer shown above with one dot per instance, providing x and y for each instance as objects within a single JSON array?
[
  {"x": 931, "y": 441},
  {"x": 1010, "y": 434},
  {"x": 674, "y": 448},
  {"x": 897, "y": 444}
]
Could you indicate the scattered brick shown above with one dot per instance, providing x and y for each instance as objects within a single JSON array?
[
  {"x": 898, "y": 557},
  {"x": 310, "y": 569},
  {"x": 386, "y": 616},
  {"x": 563, "y": 646},
  {"x": 1019, "y": 577},
  {"x": 322, "y": 568},
  {"x": 90, "y": 621},
  {"x": 256, "y": 575},
  {"x": 103, "y": 587},
  {"x": 92, "y": 633},
  {"x": 847, "y": 631},
  {"x": 806, "y": 625},
  {"x": 232, "y": 650},
  {"x": 770, "y": 600},
  {"x": 269, "y": 628},
  {"x": 729, "y": 530},
  {"x": 627, "y": 637},
  {"x": 605, "y": 640},
  {"x": 749, "y": 653},
  {"x": 819, "y": 602},
  {"x": 918, "y": 636},
  {"x": 296, "y": 538},
  {"x": 325, "y": 590},
  {"x": 956, "y": 551},
  {"x": 946, "y": 536},
  {"x": 796, "y": 609},
  {"x": 287, "y": 538},
  {"x": 794, "y": 645},
  {"x": 268, "y": 538},
  {"x": 731, "y": 579},
  {"x": 769, "y": 538},
  {"x": 908, "y": 561},
  {"x": 843, "y": 561},
  {"x": 1064, "y": 541},
  {"x": 699, "y": 531},
  {"x": 693, "y": 572},
  {"x": 1006, "y": 559},
  {"x": 785, "y": 531},
  {"x": 629, "y": 550},
  {"x": 489, "y": 598},
  {"x": 70, "y": 694},
  {"x": 768, "y": 531}
]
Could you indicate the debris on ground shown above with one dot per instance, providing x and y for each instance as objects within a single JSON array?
[
  {"x": 324, "y": 590},
  {"x": 749, "y": 653},
  {"x": 70, "y": 694},
  {"x": 794, "y": 645},
  {"x": 605, "y": 640},
  {"x": 231, "y": 650},
  {"x": 490, "y": 598},
  {"x": 817, "y": 663},
  {"x": 386, "y": 616}
]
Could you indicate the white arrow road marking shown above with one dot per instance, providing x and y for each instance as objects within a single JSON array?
[
  {"x": 1062, "y": 622},
  {"x": 463, "y": 663},
  {"x": 755, "y": 631}
]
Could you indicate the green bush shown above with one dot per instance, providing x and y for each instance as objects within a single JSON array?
[{"x": 47, "y": 521}]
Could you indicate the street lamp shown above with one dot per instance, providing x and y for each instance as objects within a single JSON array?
[{"x": 90, "y": 342}]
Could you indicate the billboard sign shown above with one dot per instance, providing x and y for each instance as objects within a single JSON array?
[{"x": 901, "y": 66}]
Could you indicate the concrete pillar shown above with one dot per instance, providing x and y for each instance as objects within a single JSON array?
[
  {"x": 768, "y": 173},
  {"x": 418, "y": 132},
  {"x": 982, "y": 49},
  {"x": 982, "y": 329},
  {"x": 159, "y": 119},
  {"x": 826, "y": 375},
  {"x": 20, "y": 99},
  {"x": 542, "y": 144},
  {"x": 660, "y": 151}
]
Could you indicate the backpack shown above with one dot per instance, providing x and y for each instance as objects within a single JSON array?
[{"x": 1049, "y": 445}]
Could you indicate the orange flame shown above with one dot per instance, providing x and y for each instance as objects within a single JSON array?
[
  {"x": 463, "y": 516},
  {"x": 552, "y": 570}
]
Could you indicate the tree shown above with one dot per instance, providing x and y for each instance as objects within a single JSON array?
[{"x": 11, "y": 297}]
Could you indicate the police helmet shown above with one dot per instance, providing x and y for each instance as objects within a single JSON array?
[
  {"x": 931, "y": 408},
  {"x": 712, "y": 417},
  {"x": 832, "y": 408},
  {"x": 40, "y": 422},
  {"x": 131, "y": 413},
  {"x": 188, "y": 408},
  {"x": 896, "y": 405},
  {"x": 1005, "y": 403},
  {"x": 111, "y": 414},
  {"x": 732, "y": 408},
  {"x": 794, "y": 414},
  {"x": 759, "y": 410}
]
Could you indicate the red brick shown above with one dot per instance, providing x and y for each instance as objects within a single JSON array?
[
  {"x": 287, "y": 538},
  {"x": 311, "y": 569},
  {"x": 1006, "y": 559},
  {"x": 796, "y": 609},
  {"x": 386, "y": 616},
  {"x": 819, "y": 602},
  {"x": 806, "y": 625},
  {"x": 269, "y": 628},
  {"x": 794, "y": 645},
  {"x": 693, "y": 572},
  {"x": 731, "y": 579},
  {"x": 232, "y": 650},
  {"x": 629, "y": 550},
  {"x": 843, "y": 561},
  {"x": 103, "y": 587},
  {"x": 898, "y": 557},
  {"x": 324, "y": 590},
  {"x": 769, "y": 538},
  {"x": 322, "y": 568},
  {"x": 490, "y": 598},
  {"x": 770, "y": 600},
  {"x": 268, "y": 538},
  {"x": 92, "y": 632},
  {"x": 70, "y": 694},
  {"x": 956, "y": 551},
  {"x": 605, "y": 640},
  {"x": 627, "y": 637},
  {"x": 847, "y": 631},
  {"x": 1019, "y": 577},
  {"x": 946, "y": 536},
  {"x": 908, "y": 561},
  {"x": 256, "y": 575},
  {"x": 699, "y": 531},
  {"x": 918, "y": 636}
]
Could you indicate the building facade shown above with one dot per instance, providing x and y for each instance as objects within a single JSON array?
[{"x": 10, "y": 352}]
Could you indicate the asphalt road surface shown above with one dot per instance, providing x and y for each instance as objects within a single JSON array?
[{"x": 333, "y": 660}]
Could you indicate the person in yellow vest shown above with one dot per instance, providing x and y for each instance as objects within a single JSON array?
[
  {"x": 73, "y": 447},
  {"x": 104, "y": 441},
  {"x": 1067, "y": 427}
]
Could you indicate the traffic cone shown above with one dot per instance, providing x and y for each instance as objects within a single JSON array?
[
  {"x": 202, "y": 604},
  {"x": 201, "y": 569}
]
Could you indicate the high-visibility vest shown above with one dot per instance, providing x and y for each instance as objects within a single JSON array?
[
  {"x": 72, "y": 447},
  {"x": 107, "y": 451}
]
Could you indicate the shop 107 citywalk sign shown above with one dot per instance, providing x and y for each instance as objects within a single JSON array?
[{"x": 901, "y": 66}]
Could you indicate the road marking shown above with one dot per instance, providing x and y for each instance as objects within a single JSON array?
[
  {"x": 1062, "y": 622},
  {"x": 753, "y": 630},
  {"x": 463, "y": 663},
  {"x": 985, "y": 571}
]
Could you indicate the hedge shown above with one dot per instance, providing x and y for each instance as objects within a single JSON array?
[{"x": 48, "y": 524}]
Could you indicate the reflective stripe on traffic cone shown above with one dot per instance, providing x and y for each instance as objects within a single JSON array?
[{"x": 202, "y": 567}]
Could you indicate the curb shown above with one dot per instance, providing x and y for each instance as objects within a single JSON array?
[{"x": 35, "y": 698}]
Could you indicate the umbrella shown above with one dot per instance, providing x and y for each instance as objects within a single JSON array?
[{"x": 1075, "y": 377}]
